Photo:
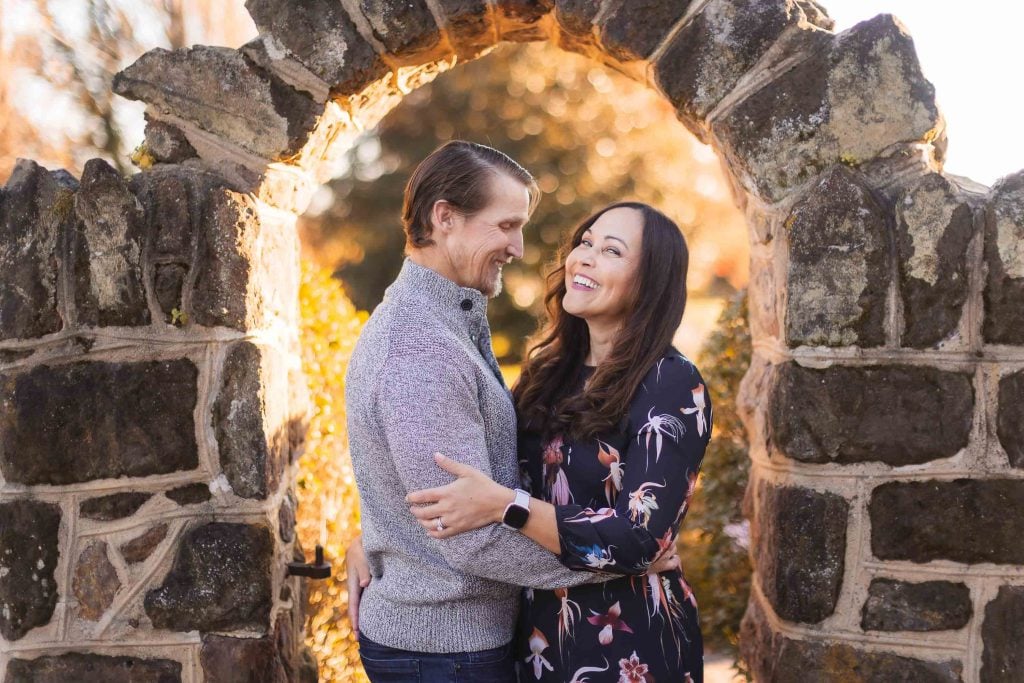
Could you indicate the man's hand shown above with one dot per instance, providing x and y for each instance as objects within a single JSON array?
[{"x": 358, "y": 571}]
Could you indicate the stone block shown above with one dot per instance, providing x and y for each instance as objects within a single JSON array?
[
  {"x": 321, "y": 36},
  {"x": 168, "y": 287},
  {"x": 520, "y": 20},
  {"x": 934, "y": 225},
  {"x": 776, "y": 658},
  {"x": 247, "y": 420},
  {"x": 242, "y": 659},
  {"x": 857, "y": 95},
  {"x": 36, "y": 213},
  {"x": 113, "y": 506},
  {"x": 107, "y": 250},
  {"x": 964, "y": 520},
  {"x": 167, "y": 143},
  {"x": 576, "y": 21},
  {"x": 286, "y": 518},
  {"x": 799, "y": 541},
  {"x": 218, "y": 90},
  {"x": 189, "y": 494},
  {"x": 88, "y": 668},
  {"x": 722, "y": 41},
  {"x": 141, "y": 547},
  {"x": 1002, "y": 659},
  {"x": 29, "y": 550},
  {"x": 468, "y": 24},
  {"x": 632, "y": 29},
  {"x": 181, "y": 202},
  {"x": 838, "y": 276},
  {"x": 95, "y": 581},
  {"x": 405, "y": 27},
  {"x": 170, "y": 197},
  {"x": 220, "y": 581},
  {"x": 1004, "y": 257},
  {"x": 895, "y": 414},
  {"x": 130, "y": 419},
  {"x": 246, "y": 274},
  {"x": 1010, "y": 422},
  {"x": 928, "y": 606}
]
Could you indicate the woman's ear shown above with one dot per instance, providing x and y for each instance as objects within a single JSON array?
[{"x": 442, "y": 215}]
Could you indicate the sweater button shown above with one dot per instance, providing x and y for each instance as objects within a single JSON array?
[{"x": 467, "y": 304}]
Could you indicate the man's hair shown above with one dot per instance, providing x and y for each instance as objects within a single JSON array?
[{"x": 458, "y": 172}]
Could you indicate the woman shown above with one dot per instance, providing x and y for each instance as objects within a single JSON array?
[{"x": 613, "y": 425}]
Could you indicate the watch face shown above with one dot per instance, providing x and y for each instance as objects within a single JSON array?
[{"x": 516, "y": 516}]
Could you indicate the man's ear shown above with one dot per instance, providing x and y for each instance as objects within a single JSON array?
[{"x": 442, "y": 215}]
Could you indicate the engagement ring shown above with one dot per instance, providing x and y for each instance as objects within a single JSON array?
[{"x": 440, "y": 525}]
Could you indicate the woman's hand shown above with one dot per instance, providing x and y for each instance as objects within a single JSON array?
[
  {"x": 666, "y": 562},
  {"x": 472, "y": 501},
  {"x": 358, "y": 570}
]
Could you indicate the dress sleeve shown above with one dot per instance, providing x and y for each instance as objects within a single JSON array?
[{"x": 650, "y": 483}]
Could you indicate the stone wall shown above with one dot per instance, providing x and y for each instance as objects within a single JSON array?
[
  {"x": 883, "y": 402},
  {"x": 147, "y": 431}
]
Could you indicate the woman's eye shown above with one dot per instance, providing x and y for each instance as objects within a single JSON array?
[
  {"x": 614, "y": 251},
  {"x": 586, "y": 243}
]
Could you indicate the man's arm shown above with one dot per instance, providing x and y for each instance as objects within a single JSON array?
[{"x": 429, "y": 404}]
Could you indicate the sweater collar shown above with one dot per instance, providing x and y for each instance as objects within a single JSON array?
[{"x": 463, "y": 302}]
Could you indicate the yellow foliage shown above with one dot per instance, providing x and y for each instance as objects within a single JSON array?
[{"x": 328, "y": 511}]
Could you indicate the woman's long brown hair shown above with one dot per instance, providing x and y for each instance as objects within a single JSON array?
[{"x": 544, "y": 395}]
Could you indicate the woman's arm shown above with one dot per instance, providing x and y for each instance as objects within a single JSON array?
[
  {"x": 475, "y": 500},
  {"x": 659, "y": 471}
]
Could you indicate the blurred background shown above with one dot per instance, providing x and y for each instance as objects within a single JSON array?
[{"x": 588, "y": 135}]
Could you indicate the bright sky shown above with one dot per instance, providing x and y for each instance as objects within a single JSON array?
[{"x": 973, "y": 54}]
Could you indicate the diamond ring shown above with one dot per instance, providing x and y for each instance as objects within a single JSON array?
[{"x": 440, "y": 525}]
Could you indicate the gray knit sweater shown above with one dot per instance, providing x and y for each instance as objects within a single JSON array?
[{"x": 422, "y": 379}]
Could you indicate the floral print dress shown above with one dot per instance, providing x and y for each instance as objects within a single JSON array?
[{"x": 619, "y": 501}]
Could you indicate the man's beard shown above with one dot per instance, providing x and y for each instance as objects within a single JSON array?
[{"x": 496, "y": 285}]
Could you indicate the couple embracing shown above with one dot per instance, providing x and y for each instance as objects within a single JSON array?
[{"x": 524, "y": 534}]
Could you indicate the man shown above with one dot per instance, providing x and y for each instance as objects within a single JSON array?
[{"x": 423, "y": 379}]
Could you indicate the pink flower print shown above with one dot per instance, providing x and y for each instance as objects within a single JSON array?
[
  {"x": 698, "y": 403},
  {"x": 690, "y": 488},
  {"x": 688, "y": 592},
  {"x": 642, "y": 503},
  {"x": 568, "y": 613},
  {"x": 556, "y": 485},
  {"x": 659, "y": 426},
  {"x": 632, "y": 671},
  {"x": 610, "y": 622},
  {"x": 609, "y": 457},
  {"x": 538, "y": 643},
  {"x": 589, "y": 515},
  {"x": 589, "y": 669}
]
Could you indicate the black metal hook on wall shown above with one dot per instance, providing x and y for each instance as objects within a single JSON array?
[{"x": 316, "y": 570}]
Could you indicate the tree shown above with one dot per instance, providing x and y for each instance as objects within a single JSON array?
[
  {"x": 715, "y": 537},
  {"x": 59, "y": 57},
  {"x": 589, "y": 135}
]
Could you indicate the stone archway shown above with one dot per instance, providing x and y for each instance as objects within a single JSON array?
[{"x": 148, "y": 359}]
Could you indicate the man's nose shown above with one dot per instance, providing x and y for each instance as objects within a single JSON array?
[{"x": 515, "y": 245}]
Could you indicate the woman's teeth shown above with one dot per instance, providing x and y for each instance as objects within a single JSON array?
[{"x": 585, "y": 281}]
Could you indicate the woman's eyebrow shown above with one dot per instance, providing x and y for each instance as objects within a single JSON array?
[{"x": 617, "y": 239}]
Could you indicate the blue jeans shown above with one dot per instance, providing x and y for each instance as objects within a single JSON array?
[{"x": 385, "y": 664}]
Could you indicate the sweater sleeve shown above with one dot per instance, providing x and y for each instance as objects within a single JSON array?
[
  {"x": 653, "y": 479},
  {"x": 428, "y": 404}
]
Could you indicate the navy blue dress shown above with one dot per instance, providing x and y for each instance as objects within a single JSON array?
[{"x": 620, "y": 499}]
